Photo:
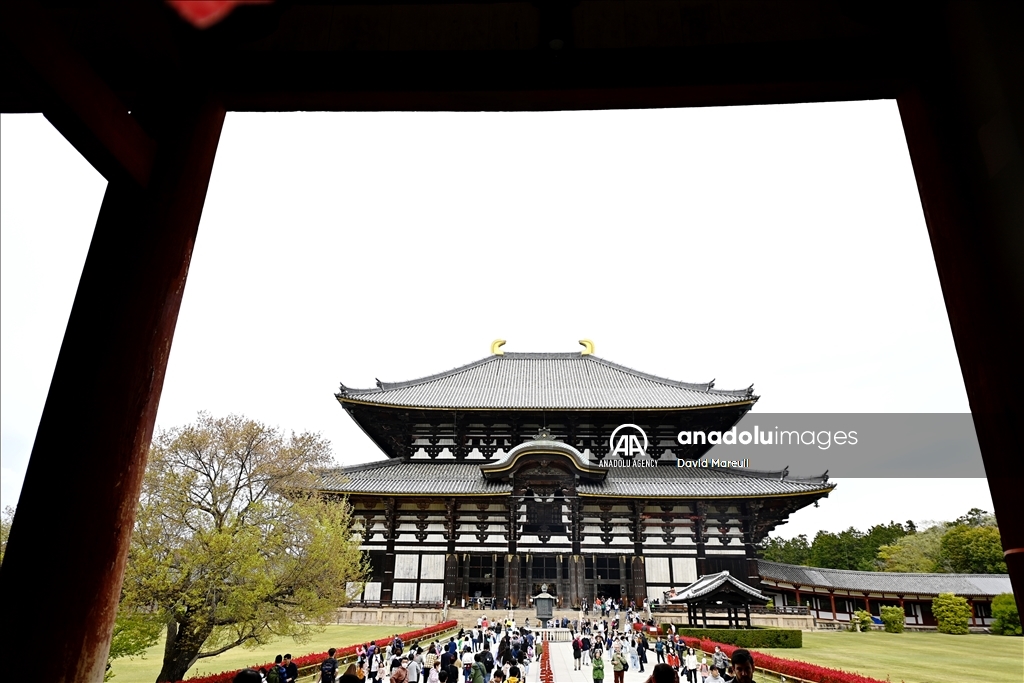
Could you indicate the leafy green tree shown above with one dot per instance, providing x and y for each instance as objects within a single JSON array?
[
  {"x": 837, "y": 551},
  {"x": 1006, "y": 621},
  {"x": 788, "y": 551},
  {"x": 968, "y": 549},
  {"x": 853, "y": 549},
  {"x": 133, "y": 635},
  {"x": 230, "y": 547},
  {"x": 952, "y": 613},
  {"x": 879, "y": 535},
  {"x": 5, "y": 530},
  {"x": 918, "y": 552},
  {"x": 975, "y": 517}
]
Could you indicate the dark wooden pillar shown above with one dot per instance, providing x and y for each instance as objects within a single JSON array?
[
  {"x": 699, "y": 521},
  {"x": 576, "y": 525},
  {"x": 451, "y": 579},
  {"x": 964, "y": 122},
  {"x": 387, "y": 585},
  {"x": 464, "y": 588},
  {"x": 512, "y": 569},
  {"x": 526, "y": 581},
  {"x": 639, "y": 588},
  {"x": 577, "y": 589},
  {"x": 748, "y": 529},
  {"x": 496, "y": 590},
  {"x": 98, "y": 419}
]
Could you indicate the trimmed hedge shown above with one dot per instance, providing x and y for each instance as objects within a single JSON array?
[
  {"x": 893, "y": 618},
  {"x": 952, "y": 613},
  {"x": 754, "y": 637}
]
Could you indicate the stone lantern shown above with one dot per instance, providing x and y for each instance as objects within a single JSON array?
[{"x": 545, "y": 604}]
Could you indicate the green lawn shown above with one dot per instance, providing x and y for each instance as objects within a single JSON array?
[
  {"x": 915, "y": 657},
  {"x": 144, "y": 670}
]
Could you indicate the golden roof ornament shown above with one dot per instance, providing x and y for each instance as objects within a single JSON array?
[
  {"x": 496, "y": 347},
  {"x": 588, "y": 347}
]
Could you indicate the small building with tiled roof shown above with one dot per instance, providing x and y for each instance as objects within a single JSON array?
[
  {"x": 523, "y": 469},
  {"x": 835, "y": 594}
]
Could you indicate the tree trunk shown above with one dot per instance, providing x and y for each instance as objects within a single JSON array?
[{"x": 181, "y": 650}]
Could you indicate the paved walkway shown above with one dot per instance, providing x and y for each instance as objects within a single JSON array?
[{"x": 562, "y": 666}]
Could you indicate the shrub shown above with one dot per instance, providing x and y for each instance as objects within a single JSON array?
[
  {"x": 861, "y": 621},
  {"x": 893, "y": 618},
  {"x": 760, "y": 637},
  {"x": 952, "y": 613},
  {"x": 1006, "y": 620}
]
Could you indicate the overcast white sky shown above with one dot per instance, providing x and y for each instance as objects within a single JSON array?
[{"x": 779, "y": 245}]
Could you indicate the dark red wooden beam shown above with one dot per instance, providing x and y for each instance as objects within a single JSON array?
[
  {"x": 93, "y": 441},
  {"x": 75, "y": 99},
  {"x": 965, "y": 125}
]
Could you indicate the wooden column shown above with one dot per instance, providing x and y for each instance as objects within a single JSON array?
[
  {"x": 577, "y": 590},
  {"x": 700, "y": 536},
  {"x": 387, "y": 586},
  {"x": 451, "y": 579},
  {"x": 512, "y": 569},
  {"x": 832, "y": 601},
  {"x": 96, "y": 426},
  {"x": 964, "y": 123}
]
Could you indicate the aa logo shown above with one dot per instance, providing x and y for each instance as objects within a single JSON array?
[{"x": 627, "y": 441}]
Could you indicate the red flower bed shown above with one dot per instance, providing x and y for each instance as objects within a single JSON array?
[
  {"x": 317, "y": 657},
  {"x": 790, "y": 667}
]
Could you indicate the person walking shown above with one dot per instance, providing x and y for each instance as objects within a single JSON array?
[
  {"x": 619, "y": 666},
  {"x": 691, "y": 666},
  {"x": 719, "y": 661},
  {"x": 478, "y": 674},
  {"x": 577, "y": 653},
  {"x": 329, "y": 667},
  {"x": 597, "y": 669},
  {"x": 659, "y": 650}
]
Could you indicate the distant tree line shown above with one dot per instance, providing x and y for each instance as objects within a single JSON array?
[{"x": 968, "y": 545}]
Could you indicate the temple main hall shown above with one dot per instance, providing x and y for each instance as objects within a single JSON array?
[{"x": 501, "y": 476}]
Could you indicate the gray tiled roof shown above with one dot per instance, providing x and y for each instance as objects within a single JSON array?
[
  {"x": 441, "y": 477},
  {"x": 710, "y": 582},
  {"x": 545, "y": 381},
  {"x": 411, "y": 477},
  {"x": 678, "y": 482},
  {"x": 899, "y": 583}
]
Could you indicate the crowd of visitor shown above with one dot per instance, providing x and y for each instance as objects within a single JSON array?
[{"x": 501, "y": 652}]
